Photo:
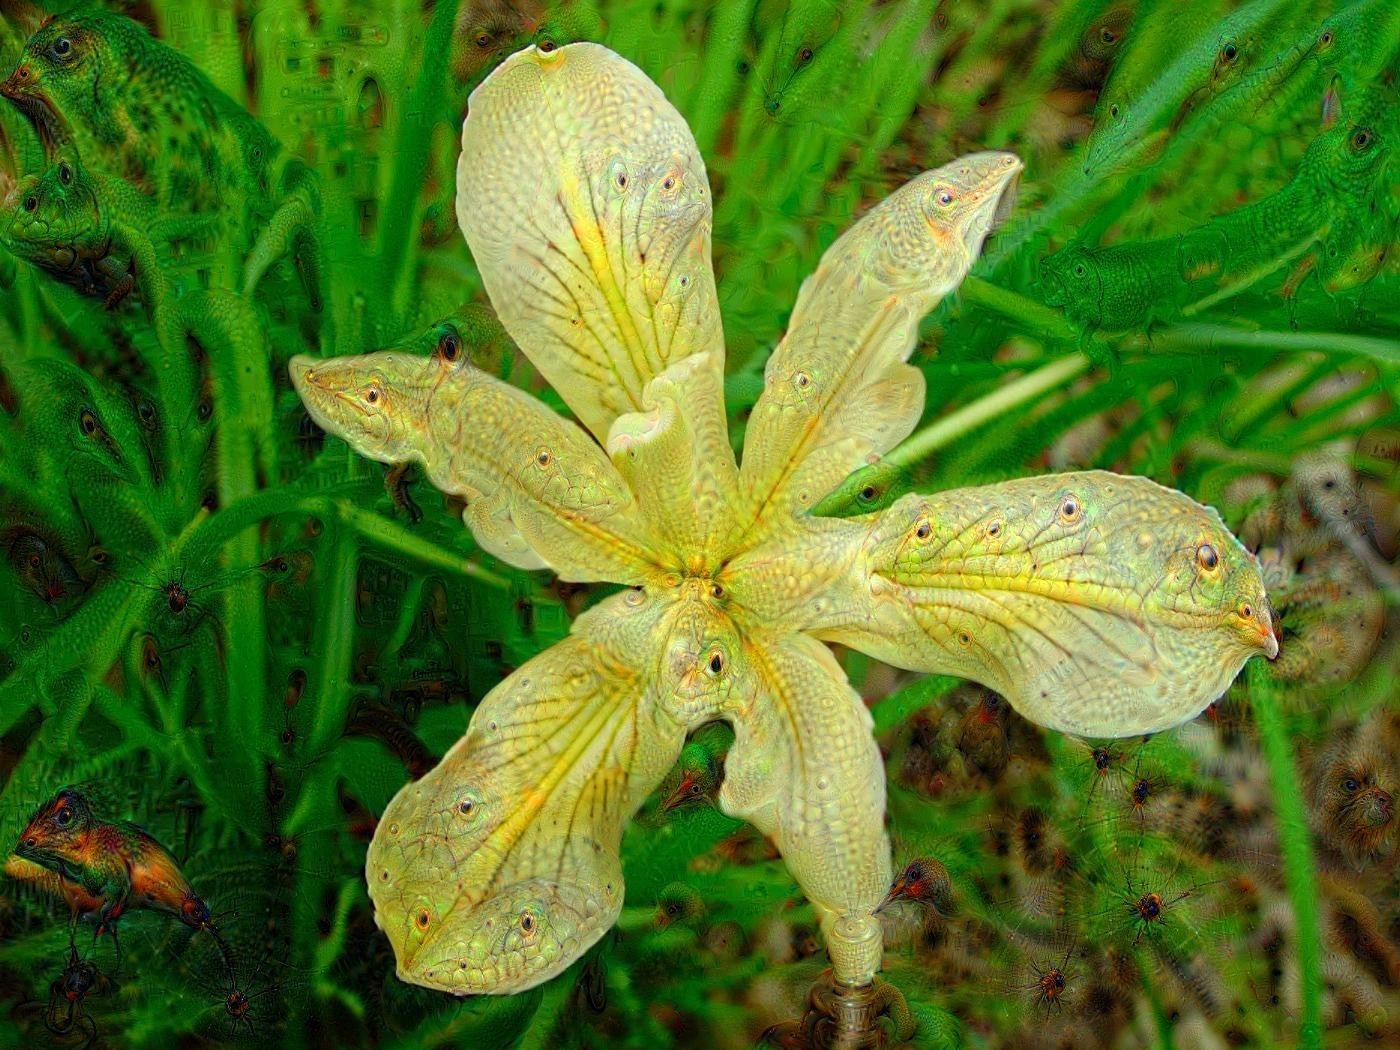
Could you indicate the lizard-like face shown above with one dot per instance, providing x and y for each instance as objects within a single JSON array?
[
  {"x": 1072, "y": 278},
  {"x": 54, "y": 834},
  {"x": 57, "y": 78},
  {"x": 56, "y": 218},
  {"x": 372, "y": 400}
]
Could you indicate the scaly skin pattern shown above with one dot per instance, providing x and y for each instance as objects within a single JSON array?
[
  {"x": 1331, "y": 214},
  {"x": 113, "y": 865},
  {"x": 587, "y": 208},
  {"x": 91, "y": 230},
  {"x": 136, "y": 109}
]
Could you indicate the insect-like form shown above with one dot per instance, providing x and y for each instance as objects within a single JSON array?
[
  {"x": 1080, "y": 598},
  {"x": 982, "y": 735},
  {"x": 1051, "y": 982},
  {"x": 1149, "y": 905},
  {"x": 67, "y": 993}
]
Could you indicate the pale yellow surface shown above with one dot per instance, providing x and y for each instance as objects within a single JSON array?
[{"x": 1098, "y": 604}]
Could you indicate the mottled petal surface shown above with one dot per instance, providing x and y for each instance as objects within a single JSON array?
[
  {"x": 837, "y": 392},
  {"x": 500, "y": 867},
  {"x": 1096, "y": 604},
  {"x": 587, "y": 208},
  {"x": 805, "y": 770}
]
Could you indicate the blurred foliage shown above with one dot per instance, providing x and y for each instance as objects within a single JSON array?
[{"x": 222, "y": 627}]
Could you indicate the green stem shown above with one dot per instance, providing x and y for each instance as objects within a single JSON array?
[
  {"x": 396, "y": 537},
  {"x": 1298, "y": 868},
  {"x": 1211, "y": 338},
  {"x": 944, "y": 431},
  {"x": 399, "y": 228}
]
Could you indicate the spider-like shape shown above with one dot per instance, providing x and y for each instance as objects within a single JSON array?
[{"x": 1096, "y": 604}]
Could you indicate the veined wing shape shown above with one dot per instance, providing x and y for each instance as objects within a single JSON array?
[
  {"x": 540, "y": 492},
  {"x": 1098, "y": 604},
  {"x": 500, "y": 867},
  {"x": 587, "y": 208},
  {"x": 805, "y": 770},
  {"x": 837, "y": 391}
]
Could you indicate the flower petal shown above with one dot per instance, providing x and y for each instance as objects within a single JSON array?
[
  {"x": 677, "y": 458},
  {"x": 500, "y": 867},
  {"x": 539, "y": 491},
  {"x": 587, "y": 208},
  {"x": 1097, "y": 604},
  {"x": 837, "y": 392},
  {"x": 805, "y": 770}
]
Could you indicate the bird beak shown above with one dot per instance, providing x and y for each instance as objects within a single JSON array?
[{"x": 896, "y": 892}]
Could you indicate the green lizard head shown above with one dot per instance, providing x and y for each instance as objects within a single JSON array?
[
  {"x": 59, "y": 72},
  {"x": 50, "y": 218},
  {"x": 1071, "y": 278}
]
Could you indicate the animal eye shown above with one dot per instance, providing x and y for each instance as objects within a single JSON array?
[
  {"x": 527, "y": 923},
  {"x": 547, "y": 46},
  {"x": 945, "y": 197},
  {"x": 466, "y": 807},
  {"x": 668, "y": 183},
  {"x": 88, "y": 422},
  {"x": 804, "y": 56},
  {"x": 62, "y": 47},
  {"x": 1350, "y": 784},
  {"x": 867, "y": 494},
  {"x": 1113, "y": 110},
  {"x": 1326, "y": 39},
  {"x": 1070, "y": 509},
  {"x": 483, "y": 40},
  {"x": 1229, "y": 52},
  {"x": 1246, "y": 611},
  {"x": 716, "y": 662},
  {"x": 543, "y": 458},
  {"x": 449, "y": 347},
  {"x": 65, "y": 174},
  {"x": 31, "y": 202},
  {"x": 63, "y": 817},
  {"x": 1361, "y": 139},
  {"x": 1108, "y": 36},
  {"x": 372, "y": 395},
  {"x": 1079, "y": 270},
  {"x": 924, "y": 531},
  {"x": 1206, "y": 556}
]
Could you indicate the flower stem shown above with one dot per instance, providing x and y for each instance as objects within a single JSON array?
[{"x": 1298, "y": 868}]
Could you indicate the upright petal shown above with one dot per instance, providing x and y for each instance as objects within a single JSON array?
[
  {"x": 805, "y": 770},
  {"x": 1097, "y": 604},
  {"x": 586, "y": 206},
  {"x": 500, "y": 867},
  {"x": 837, "y": 390},
  {"x": 677, "y": 459}
]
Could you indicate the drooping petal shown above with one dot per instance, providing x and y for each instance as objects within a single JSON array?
[
  {"x": 587, "y": 208},
  {"x": 837, "y": 390},
  {"x": 500, "y": 867},
  {"x": 805, "y": 770},
  {"x": 677, "y": 459},
  {"x": 1097, "y": 604},
  {"x": 540, "y": 492}
]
